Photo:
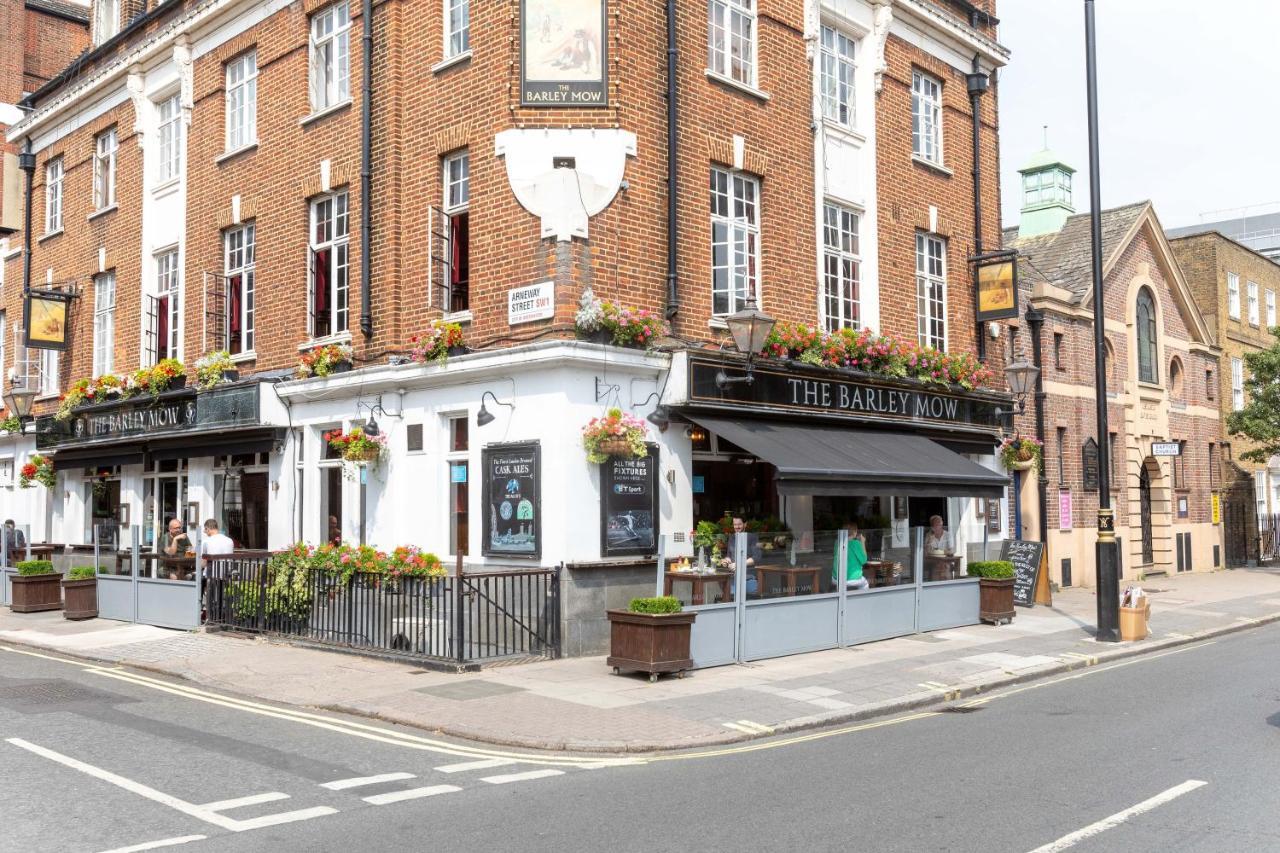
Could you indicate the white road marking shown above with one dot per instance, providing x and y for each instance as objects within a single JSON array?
[
  {"x": 475, "y": 765},
  {"x": 199, "y": 812},
  {"x": 238, "y": 802},
  {"x": 1118, "y": 818},
  {"x": 521, "y": 777},
  {"x": 361, "y": 781},
  {"x": 155, "y": 845},
  {"x": 413, "y": 794}
]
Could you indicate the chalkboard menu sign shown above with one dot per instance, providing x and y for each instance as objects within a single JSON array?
[
  {"x": 512, "y": 500},
  {"x": 629, "y": 505},
  {"x": 1025, "y": 557}
]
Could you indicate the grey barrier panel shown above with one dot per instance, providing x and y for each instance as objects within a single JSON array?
[
  {"x": 713, "y": 638},
  {"x": 168, "y": 603},
  {"x": 115, "y": 597},
  {"x": 878, "y": 614},
  {"x": 6, "y": 590},
  {"x": 788, "y": 626},
  {"x": 948, "y": 604}
]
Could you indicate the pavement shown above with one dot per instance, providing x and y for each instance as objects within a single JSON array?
[
  {"x": 1170, "y": 751},
  {"x": 579, "y": 705}
]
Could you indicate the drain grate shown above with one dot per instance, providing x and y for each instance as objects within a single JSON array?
[
  {"x": 40, "y": 695},
  {"x": 961, "y": 709}
]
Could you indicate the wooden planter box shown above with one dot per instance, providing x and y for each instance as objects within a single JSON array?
[
  {"x": 33, "y": 593},
  {"x": 650, "y": 642},
  {"x": 995, "y": 600},
  {"x": 81, "y": 599}
]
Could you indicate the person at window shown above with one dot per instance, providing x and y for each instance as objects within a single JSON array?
[
  {"x": 937, "y": 539},
  {"x": 754, "y": 552},
  {"x": 855, "y": 559},
  {"x": 176, "y": 540},
  {"x": 334, "y": 536},
  {"x": 215, "y": 541},
  {"x": 14, "y": 540}
]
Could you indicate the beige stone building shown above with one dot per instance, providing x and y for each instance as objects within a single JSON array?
[{"x": 1237, "y": 290}]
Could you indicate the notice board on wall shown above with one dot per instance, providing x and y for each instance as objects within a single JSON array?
[
  {"x": 512, "y": 500},
  {"x": 1025, "y": 557},
  {"x": 629, "y": 505}
]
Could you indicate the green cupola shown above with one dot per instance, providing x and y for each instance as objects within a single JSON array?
[{"x": 1046, "y": 194}]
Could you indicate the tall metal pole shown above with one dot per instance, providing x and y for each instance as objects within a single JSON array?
[{"x": 1108, "y": 580}]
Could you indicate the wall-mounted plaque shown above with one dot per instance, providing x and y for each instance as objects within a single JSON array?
[{"x": 1089, "y": 464}]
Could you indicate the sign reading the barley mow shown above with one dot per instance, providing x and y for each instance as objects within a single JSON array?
[{"x": 563, "y": 53}]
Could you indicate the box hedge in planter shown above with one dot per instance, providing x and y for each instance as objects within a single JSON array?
[
  {"x": 995, "y": 590},
  {"x": 651, "y": 636},
  {"x": 80, "y": 591},
  {"x": 36, "y": 587}
]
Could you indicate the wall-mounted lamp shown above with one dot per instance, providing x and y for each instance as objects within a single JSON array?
[
  {"x": 1021, "y": 376},
  {"x": 750, "y": 328},
  {"x": 696, "y": 434},
  {"x": 19, "y": 400},
  {"x": 484, "y": 417}
]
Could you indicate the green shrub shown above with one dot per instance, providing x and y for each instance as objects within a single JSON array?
[
  {"x": 35, "y": 567},
  {"x": 82, "y": 573},
  {"x": 665, "y": 604},
  {"x": 994, "y": 569}
]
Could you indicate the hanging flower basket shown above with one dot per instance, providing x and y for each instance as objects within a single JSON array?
[
  {"x": 1021, "y": 454},
  {"x": 38, "y": 469},
  {"x": 358, "y": 446},
  {"x": 615, "y": 434}
]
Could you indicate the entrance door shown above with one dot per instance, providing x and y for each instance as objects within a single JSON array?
[
  {"x": 164, "y": 498},
  {"x": 1144, "y": 500},
  {"x": 1235, "y": 527}
]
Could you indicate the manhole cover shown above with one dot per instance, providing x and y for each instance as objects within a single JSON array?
[
  {"x": 466, "y": 690},
  {"x": 41, "y": 695}
]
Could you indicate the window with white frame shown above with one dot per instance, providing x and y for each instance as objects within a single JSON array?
[
  {"x": 104, "y": 323},
  {"x": 457, "y": 27},
  {"x": 328, "y": 267},
  {"x": 1271, "y": 308},
  {"x": 163, "y": 338},
  {"x": 926, "y": 117},
  {"x": 1252, "y": 291},
  {"x": 104, "y": 170},
  {"x": 841, "y": 267},
  {"x": 457, "y": 201},
  {"x": 1237, "y": 384},
  {"x": 1233, "y": 295},
  {"x": 169, "y": 123},
  {"x": 732, "y": 39},
  {"x": 457, "y": 463},
  {"x": 48, "y": 372},
  {"x": 242, "y": 101},
  {"x": 735, "y": 240},
  {"x": 106, "y": 19},
  {"x": 240, "y": 285},
  {"x": 837, "y": 77},
  {"x": 330, "y": 57},
  {"x": 931, "y": 291},
  {"x": 53, "y": 196}
]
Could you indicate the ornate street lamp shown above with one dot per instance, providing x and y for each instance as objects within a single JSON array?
[
  {"x": 750, "y": 328},
  {"x": 19, "y": 400}
]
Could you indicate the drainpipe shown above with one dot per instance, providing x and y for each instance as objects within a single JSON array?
[
  {"x": 366, "y": 175},
  {"x": 978, "y": 83},
  {"x": 1035, "y": 320},
  {"x": 27, "y": 163},
  {"x": 673, "y": 147}
]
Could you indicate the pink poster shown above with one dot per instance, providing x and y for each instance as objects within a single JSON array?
[{"x": 1064, "y": 510}]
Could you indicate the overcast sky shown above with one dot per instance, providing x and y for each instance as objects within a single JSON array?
[{"x": 1188, "y": 93}]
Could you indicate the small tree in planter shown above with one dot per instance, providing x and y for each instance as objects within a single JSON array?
[
  {"x": 36, "y": 587},
  {"x": 995, "y": 590},
  {"x": 652, "y": 635},
  {"x": 80, "y": 590},
  {"x": 615, "y": 434}
]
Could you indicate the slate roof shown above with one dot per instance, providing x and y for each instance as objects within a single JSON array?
[
  {"x": 62, "y": 8},
  {"x": 1063, "y": 258}
]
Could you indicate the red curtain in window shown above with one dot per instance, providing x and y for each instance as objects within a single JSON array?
[
  {"x": 162, "y": 328},
  {"x": 234, "y": 294},
  {"x": 459, "y": 261},
  {"x": 320, "y": 292}
]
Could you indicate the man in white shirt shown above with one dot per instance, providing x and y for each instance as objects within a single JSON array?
[{"x": 216, "y": 542}]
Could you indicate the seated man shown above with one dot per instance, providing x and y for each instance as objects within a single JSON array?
[{"x": 754, "y": 552}]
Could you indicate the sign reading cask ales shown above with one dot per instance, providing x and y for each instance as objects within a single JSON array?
[{"x": 512, "y": 501}]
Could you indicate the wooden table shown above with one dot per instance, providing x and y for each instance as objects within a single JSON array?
[
  {"x": 699, "y": 581},
  {"x": 938, "y": 568},
  {"x": 880, "y": 573},
  {"x": 790, "y": 574}
]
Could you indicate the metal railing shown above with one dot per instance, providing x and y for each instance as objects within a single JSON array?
[
  {"x": 459, "y": 619},
  {"x": 1268, "y": 537}
]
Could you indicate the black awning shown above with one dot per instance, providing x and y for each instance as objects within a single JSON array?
[
  {"x": 98, "y": 457},
  {"x": 825, "y": 460},
  {"x": 222, "y": 443}
]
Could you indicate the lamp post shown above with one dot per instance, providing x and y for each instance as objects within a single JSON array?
[
  {"x": 1108, "y": 580},
  {"x": 750, "y": 328}
]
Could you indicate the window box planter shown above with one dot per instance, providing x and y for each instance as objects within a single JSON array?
[
  {"x": 81, "y": 597},
  {"x": 995, "y": 600},
  {"x": 650, "y": 642},
  {"x": 36, "y": 593},
  {"x": 340, "y": 367}
]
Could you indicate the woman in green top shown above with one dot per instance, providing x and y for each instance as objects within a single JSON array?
[{"x": 856, "y": 558}]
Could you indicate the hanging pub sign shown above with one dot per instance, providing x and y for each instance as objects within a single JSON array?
[
  {"x": 512, "y": 500},
  {"x": 563, "y": 53},
  {"x": 629, "y": 505},
  {"x": 45, "y": 319},
  {"x": 1089, "y": 464},
  {"x": 997, "y": 289}
]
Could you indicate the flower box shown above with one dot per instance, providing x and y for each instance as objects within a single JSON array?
[
  {"x": 81, "y": 598},
  {"x": 650, "y": 642},
  {"x": 36, "y": 593},
  {"x": 995, "y": 600}
]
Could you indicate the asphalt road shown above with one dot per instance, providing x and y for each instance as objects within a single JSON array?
[{"x": 1177, "y": 752}]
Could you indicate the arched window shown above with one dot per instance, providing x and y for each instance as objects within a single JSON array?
[
  {"x": 1175, "y": 378},
  {"x": 1146, "y": 317}
]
